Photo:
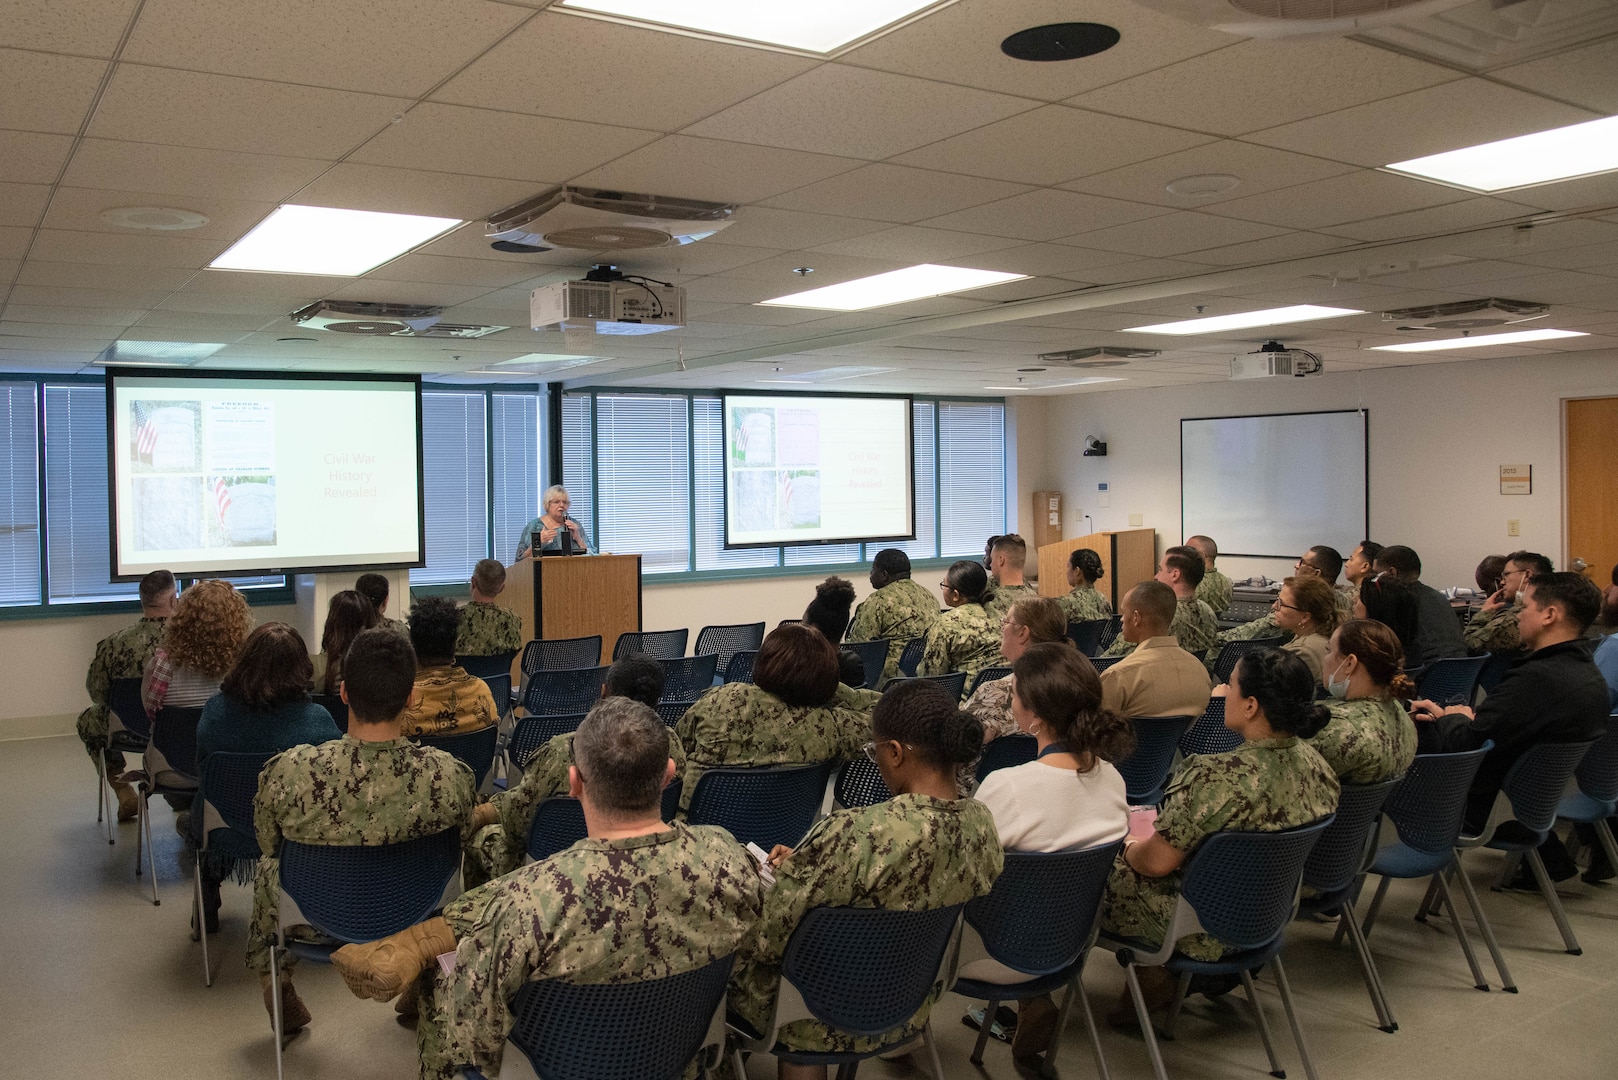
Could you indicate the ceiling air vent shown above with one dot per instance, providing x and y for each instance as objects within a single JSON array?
[
  {"x": 1467, "y": 314},
  {"x": 591, "y": 219},
  {"x": 366, "y": 318},
  {"x": 1101, "y": 356},
  {"x": 460, "y": 331}
]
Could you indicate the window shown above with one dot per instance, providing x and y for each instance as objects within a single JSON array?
[
  {"x": 643, "y": 458},
  {"x": 455, "y": 483},
  {"x": 19, "y": 494},
  {"x": 578, "y": 460},
  {"x": 80, "y": 557},
  {"x": 971, "y": 476},
  {"x": 515, "y": 441}
]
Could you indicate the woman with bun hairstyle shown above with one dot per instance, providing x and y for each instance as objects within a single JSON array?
[
  {"x": 1085, "y": 602},
  {"x": 1370, "y": 737},
  {"x": 966, "y": 637},
  {"x": 921, "y": 850},
  {"x": 1275, "y": 780},
  {"x": 828, "y": 612},
  {"x": 1031, "y": 621}
]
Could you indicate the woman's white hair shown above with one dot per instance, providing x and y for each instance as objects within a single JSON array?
[{"x": 553, "y": 492}]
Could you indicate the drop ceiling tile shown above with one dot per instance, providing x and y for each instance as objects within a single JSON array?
[
  {"x": 14, "y": 241},
  {"x": 1176, "y": 234},
  {"x": 441, "y": 270},
  {"x": 68, "y": 334},
  {"x": 106, "y": 249},
  {"x": 720, "y": 171},
  {"x": 753, "y": 315},
  {"x": 407, "y": 292},
  {"x": 758, "y": 226},
  {"x": 1044, "y": 259},
  {"x": 73, "y": 316},
  {"x": 1045, "y": 215},
  {"x": 247, "y": 283},
  {"x": 45, "y": 92},
  {"x": 730, "y": 290},
  {"x": 354, "y": 186},
  {"x": 1454, "y": 216},
  {"x": 1246, "y": 87},
  {"x": 78, "y": 27},
  {"x": 695, "y": 259},
  {"x": 31, "y": 157},
  {"x": 1137, "y": 270},
  {"x": 1258, "y": 168},
  {"x": 1447, "y": 117},
  {"x": 1350, "y": 197},
  {"x": 1287, "y": 246},
  {"x": 55, "y": 296},
  {"x": 1581, "y": 76},
  {"x": 80, "y": 209},
  {"x": 833, "y": 109},
  {"x": 561, "y": 65},
  {"x": 828, "y": 270},
  {"x": 198, "y": 323},
  {"x": 1590, "y": 191},
  {"x": 23, "y": 204},
  {"x": 253, "y": 40},
  {"x": 895, "y": 193},
  {"x": 1591, "y": 258},
  {"x": 267, "y": 307},
  {"x": 914, "y": 244},
  {"x": 188, "y": 171}
]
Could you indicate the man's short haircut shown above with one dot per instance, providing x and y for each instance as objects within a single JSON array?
[
  {"x": 1370, "y": 549},
  {"x": 1014, "y": 548},
  {"x": 1188, "y": 561},
  {"x": 1401, "y": 560},
  {"x": 374, "y": 587},
  {"x": 378, "y": 674},
  {"x": 797, "y": 664},
  {"x": 1156, "y": 603},
  {"x": 156, "y": 587},
  {"x": 1536, "y": 564},
  {"x": 434, "y": 622},
  {"x": 489, "y": 577},
  {"x": 637, "y": 677},
  {"x": 892, "y": 562},
  {"x": 1328, "y": 561},
  {"x": 622, "y": 753},
  {"x": 1204, "y": 546},
  {"x": 1576, "y": 596}
]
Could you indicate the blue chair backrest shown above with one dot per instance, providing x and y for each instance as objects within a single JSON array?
[
  {"x": 951, "y": 682},
  {"x": 740, "y": 668},
  {"x": 988, "y": 674},
  {"x": 123, "y": 699},
  {"x": 1232, "y": 652},
  {"x": 1006, "y": 751},
  {"x": 1598, "y": 772},
  {"x": 1110, "y": 632},
  {"x": 1451, "y": 681},
  {"x": 1086, "y": 635},
  {"x": 727, "y": 641},
  {"x": 659, "y": 644},
  {"x": 333, "y": 704},
  {"x": 500, "y": 689},
  {"x": 1429, "y": 804},
  {"x": 229, "y": 783},
  {"x": 174, "y": 735},
  {"x": 860, "y": 783},
  {"x": 1147, "y": 769},
  {"x": 1339, "y": 854},
  {"x": 485, "y": 666},
  {"x": 1037, "y": 918},
  {"x": 1209, "y": 735},
  {"x": 561, "y": 654},
  {"x": 1102, "y": 663},
  {"x": 671, "y": 711},
  {"x": 1535, "y": 782},
  {"x": 571, "y": 691},
  {"x": 1244, "y": 885},
  {"x": 685, "y": 678},
  {"x": 648, "y": 1029},
  {"x": 475, "y": 748},
  {"x": 768, "y": 805},
  {"x": 533, "y": 732},
  {"x": 910, "y": 656},
  {"x": 365, "y": 892},
  {"x": 558, "y": 822},
  {"x": 874, "y": 655},
  {"x": 865, "y": 971}
]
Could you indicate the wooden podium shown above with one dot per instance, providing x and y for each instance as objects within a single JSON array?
[
  {"x": 574, "y": 596},
  {"x": 1128, "y": 557}
]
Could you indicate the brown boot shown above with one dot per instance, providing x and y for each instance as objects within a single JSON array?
[
  {"x": 379, "y": 970},
  {"x": 1157, "y": 987},
  {"x": 294, "y": 1013},
  {"x": 128, "y": 801}
]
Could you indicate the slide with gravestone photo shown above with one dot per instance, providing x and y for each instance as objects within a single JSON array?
[
  {"x": 165, "y": 436},
  {"x": 239, "y": 449}
]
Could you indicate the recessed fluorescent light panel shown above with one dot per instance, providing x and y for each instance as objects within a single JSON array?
[
  {"x": 1058, "y": 386},
  {"x": 819, "y": 27},
  {"x": 157, "y": 353},
  {"x": 324, "y": 240},
  {"x": 1541, "y": 158},
  {"x": 1479, "y": 342},
  {"x": 1244, "y": 320},
  {"x": 894, "y": 287}
]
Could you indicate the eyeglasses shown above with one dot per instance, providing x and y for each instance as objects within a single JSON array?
[
  {"x": 1300, "y": 566},
  {"x": 1282, "y": 603},
  {"x": 1511, "y": 573},
  {"x": 869, "y": 749}
]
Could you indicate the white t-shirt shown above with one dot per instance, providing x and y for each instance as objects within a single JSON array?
[{"x": 1041, "y": 807}]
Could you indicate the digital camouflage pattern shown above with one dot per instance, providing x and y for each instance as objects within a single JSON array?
[
  {"x": 1368, "y": 740},
  {"x": 450, "y": 702},
  {"x": 898, "y": 611},
  {"x": 1262, "y": 786},
  {"x": 398, "y": 626},
  {"x": 966, "y": 639},
  {"x": 740, "y": 724},
  {"x": 487, "y": 630},
  {"x": 1347, "y": 593},
  {"x": 991, "y": 704},
  {"x": 911, "y": 853},
  {"x": 499, "y": 849},
  {"x": 856, "y": 698},
  {"x": 1494, "y": 631},
  {"x": 122, "y": 655},
  {"x": 1004, "y": 597},
  {"x": 1215, "y": 590},
  {"x": 603, "y": 911},
  {"x": 1084, "y": 604},
  {"x": 1194, "y": 627},
  {"x": 349, "y": 792}
]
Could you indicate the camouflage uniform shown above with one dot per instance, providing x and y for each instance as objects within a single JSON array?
[
  {"x": 349, "y": 792},
  {"x": 991, "y": 704},
  {"x": 1261, "y": 786},
  {"x": 740, "y": 724},
  {"x": 487, "y": 630},
  {"x": 603, "y": 911},
  {"x": 1263, "y": 627},
  {"x": 1215, "y": 590},
  {"x": 1004, "y": 597},
  {"x": 966, "y": 639},
  {"x": 1494, "y": 631},
  {"x": 398, "y": 626},
  {"x": 1368, "y": 740},
  {"x": 911, "y": 853},
  {"x": 856, "y": 698},
  {"x": 1084, "y": 604},
  {"x": 499, "y": 849},
  {"x": 898, "y": 611},
  {"x": 1346, "y": 595},
  {"x": 122, "y": 655},
  {"x": 451, "y": 702},
  {"x": 1194, "y": 627}
]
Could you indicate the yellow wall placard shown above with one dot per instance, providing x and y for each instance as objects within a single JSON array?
[{"x": 1516, "y": 479}]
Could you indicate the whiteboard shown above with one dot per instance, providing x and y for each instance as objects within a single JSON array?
[{"x": 1275, "y": 486}]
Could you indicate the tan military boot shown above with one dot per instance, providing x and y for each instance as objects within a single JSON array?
[
  {"x": 294, "y": 1013},
  {"x": 128, "y": 801},
  {"x": 380, "y": 969}
]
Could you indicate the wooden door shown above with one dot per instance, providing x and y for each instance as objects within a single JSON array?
[{"x": 1592, "y": 486}]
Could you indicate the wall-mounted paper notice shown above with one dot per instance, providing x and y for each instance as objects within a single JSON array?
[{"x": 1516, "y": 479}]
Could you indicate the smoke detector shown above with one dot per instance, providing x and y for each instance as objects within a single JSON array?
[
  {"x": 1467, "y": 314},
  {"x": 1101, "y": 356},
  {"x": 592, "y": 219}
]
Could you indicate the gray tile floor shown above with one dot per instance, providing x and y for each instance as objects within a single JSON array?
[{"x": 98, "y": 982}]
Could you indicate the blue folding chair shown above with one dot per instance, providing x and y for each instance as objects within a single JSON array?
[
  {"x": 561, "y": 654},
  {"x": 1231, "y": 653},
  {"x": 1242, "y": 889},
  {"x": 687, "y": 677},
  {"x": 728, "y": 640},
  {"x": 1208, "y": 734},
  {"x": 227, "y": 785},
  {"x": 174, "y": 739},
  {"x": 1005, "y": 752},
  {"x": 659, "y": 644},
  {"x": 559, "y": 822},
  {"x": 1039, "y": 919},
  {"x": 488, "y": 665},
  {"x": 532, "y": 732},
  {"x": 988, "y": 674},
  {"x": 500, "y": 689},
  {"x": 562, "y": 692},
  {"x": 1157, "y": 738},
  {"x": 740, "y": 668},
  {"x": 647, "y": 1029},
  {"x": 1102, "y": 663},
  {"x": 475, "y": 748},
  {"x": 874, "y": 655},
  {"x": 1451, "y": 681},
  {"x": 1110, "y": 632},
  {"x": 1596, "y": 799},
  {"x": 671, "y": 711},
  {"x": 765, "y": 805},
  {"x": 860, "y": 783},
  {"x": 1086, "y": 635},
  {"x": 910, "y": 656},
  {"x": 863, "y": 971},
  {"x": 334, "y": 704},
  {"x": 951, "y": 682}
]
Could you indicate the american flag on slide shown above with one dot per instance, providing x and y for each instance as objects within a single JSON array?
[
  {"x": 221, "y": 498},
  {"x": 145, "y": 428}
]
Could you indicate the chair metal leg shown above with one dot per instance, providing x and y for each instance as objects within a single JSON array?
[
  {"x": 1426, "y": 907},
  {"x": 1376, "y": 905},
  {"x": 976, "y": 1057},
  {"x": 1508, "y": 870},
  {"x": 1263, "y": 1026},
  {"x": 932, "y": 1047},
  {"x": 1075, "y": 989},
  {"x": 1292, "y": 1018},
  {"x": 847, "y": 1069},
  {"x": 1145, "y": 1019},
  {"x": 1485, "y": 929},
  {"x": 737, "y": 1064},
  {"x": 1460, "y": 935},
  {"x": 140, "y": 829},
  {"x": 1373, "y": 978},
  {"x": 1547, "y": 889},
  {"x": 1172, "y": 1020},
  {"x": 151, "y": 856},
  {"x": 275, "y": 1008}
]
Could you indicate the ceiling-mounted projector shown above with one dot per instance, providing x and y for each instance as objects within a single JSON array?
[
  {"x": 1272, "y": 359},
  {"x": 592, "y": 219},
  {"x": 366, "y": 318},
  {"x": 609, "y": 303}
]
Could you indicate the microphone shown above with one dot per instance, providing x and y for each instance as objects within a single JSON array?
[{"x": 566, "y": 536}]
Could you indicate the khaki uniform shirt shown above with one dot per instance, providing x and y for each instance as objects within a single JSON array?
[
  {"x": 1194, "y": 627},
  {"x": 966, "y": 639},
  {"x": 1215, "y": 590},
  {"x": 1084, "y": 604},
  {"x": 898, "y": 611},
  {"x": 451, "y": 702},
  {"x": 1312, "y": 651},
  {"x": 487, "y": 630},
  {"x": 1367, "y": 740},
  {"x": 1158, "y": 679},
  {"x": 122, "y": 655}
]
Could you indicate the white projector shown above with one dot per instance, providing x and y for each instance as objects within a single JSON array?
[
  {"x": 1274, "y": 359},
  {"x": 609, "y": 307}
]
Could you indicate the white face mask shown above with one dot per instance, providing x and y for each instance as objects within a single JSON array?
[{"x": 1338, "y": 690}]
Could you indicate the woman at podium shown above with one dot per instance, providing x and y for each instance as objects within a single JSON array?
[{"x": 554, "y": 531}]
